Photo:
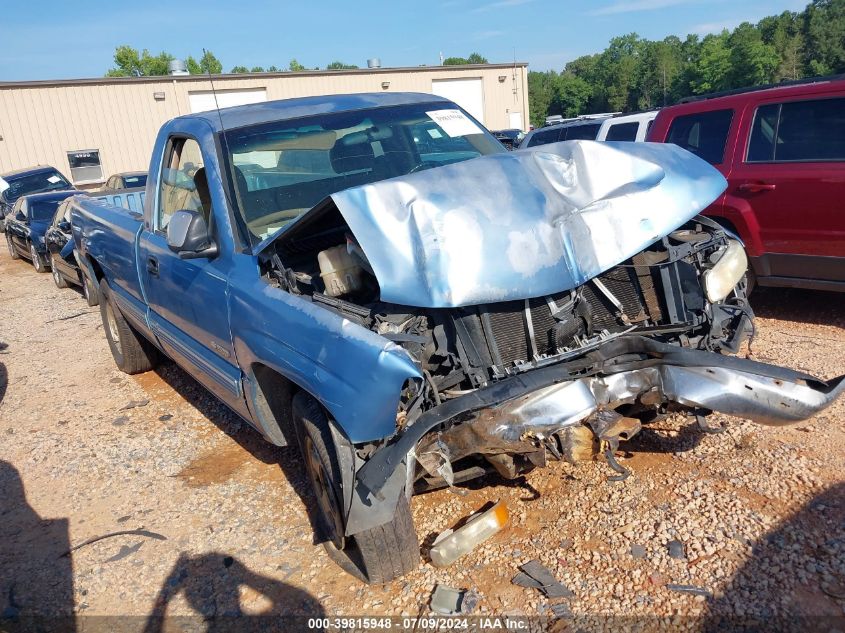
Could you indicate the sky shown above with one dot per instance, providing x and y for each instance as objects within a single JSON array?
[{"x": 58, "y": 39}]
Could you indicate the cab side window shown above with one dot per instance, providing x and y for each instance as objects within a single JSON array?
[{"x": 183, "y": 182}]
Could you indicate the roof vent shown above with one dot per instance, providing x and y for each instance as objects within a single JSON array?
[
  {"x": 374, "y": 62},
  {"x": 177, "y": 67}
]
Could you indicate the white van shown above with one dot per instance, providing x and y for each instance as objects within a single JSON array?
[{"x": 627, "y": 127}]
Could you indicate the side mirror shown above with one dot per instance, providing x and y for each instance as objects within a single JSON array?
[
  {"x": 187, "y": 235},
  {"x": 64, "y": 226}
]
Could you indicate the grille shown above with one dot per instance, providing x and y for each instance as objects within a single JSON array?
[{"x": 507, "y": 320}]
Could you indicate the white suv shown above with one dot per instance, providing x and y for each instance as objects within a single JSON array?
[{"x": 627, "y": 127}]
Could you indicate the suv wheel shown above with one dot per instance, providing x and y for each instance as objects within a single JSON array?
[
  {"x": 380, "y": 554},
  {"x": 37, "y": 259}
]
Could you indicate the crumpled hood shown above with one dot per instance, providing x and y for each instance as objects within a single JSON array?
[{"x": 523, "y": 224}]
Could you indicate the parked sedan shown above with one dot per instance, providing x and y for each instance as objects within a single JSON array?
[
  {"x": 22, "y": 182},
  {"x": 27, "y": 225},
  {"x": 126, "y": 180}
]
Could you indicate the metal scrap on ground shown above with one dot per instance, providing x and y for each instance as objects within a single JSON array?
[{"x": 534, "y": 575}]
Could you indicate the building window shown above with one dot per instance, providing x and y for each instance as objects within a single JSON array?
[{"x": 85, "y": 166}]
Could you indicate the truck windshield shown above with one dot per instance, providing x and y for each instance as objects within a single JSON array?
[{"x": 283, "y": 168}]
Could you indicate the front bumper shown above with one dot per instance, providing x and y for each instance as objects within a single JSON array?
[{"x": 546, "y": 400}]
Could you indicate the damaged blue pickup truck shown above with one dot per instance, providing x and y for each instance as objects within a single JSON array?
[{"x": 375, "y": 278}]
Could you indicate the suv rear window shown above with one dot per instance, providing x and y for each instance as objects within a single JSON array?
[
  {"x": 587, "y": 132},
  {"x": 798, "y": 131},
  {"x": 622, "y": 132},
  {"x": 544, "y": 137},
  {"x": 704, "y": 134}
]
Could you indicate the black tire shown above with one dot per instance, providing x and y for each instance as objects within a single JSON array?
[
  {"x": 89, "y": 291},
  {"x": 37, "y": 259},
  {"x": 380, "y": 554},
  {"x": 58, "y": 279},
  {"x": 132, "y": 353},
  {"x": 13, "y": 253}
]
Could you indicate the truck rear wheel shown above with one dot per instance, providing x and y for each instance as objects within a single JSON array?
[
  {"x": 380, "y": 554},
  {"x": 132, "y": 353}
]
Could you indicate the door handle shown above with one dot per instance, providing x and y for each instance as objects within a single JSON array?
[
  {"x": 756, "y": 187},
  {"x": 152, "y": 266}
]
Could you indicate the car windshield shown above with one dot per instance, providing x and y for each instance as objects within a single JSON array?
[
  {"x": 43, "y": 210},
  {"x": 35, "y": 183},
  {"x": 283, "y": 168},
  {"x": 135, "y": 181}
]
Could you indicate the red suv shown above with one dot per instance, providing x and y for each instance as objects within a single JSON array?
[{"x": 782, "y": 150}]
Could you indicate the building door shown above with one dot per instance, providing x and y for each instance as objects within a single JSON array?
[
  {"x": 203, "y": 100},
  {"x": 467, "y": 93},
  {"x": 515, "y": 120}
]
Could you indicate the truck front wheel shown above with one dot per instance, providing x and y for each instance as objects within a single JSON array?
[
  {"x": 132, "y": 353},
  {"x": 380, "y": 554}
]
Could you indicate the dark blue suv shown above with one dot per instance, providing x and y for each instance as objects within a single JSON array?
[{"x": 22, "y": 182}]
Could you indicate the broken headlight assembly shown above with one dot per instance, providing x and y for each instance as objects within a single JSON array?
[{"x": 727, "y": 272}]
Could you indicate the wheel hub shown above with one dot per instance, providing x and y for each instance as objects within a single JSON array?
[{"x": 113, "y": 332}]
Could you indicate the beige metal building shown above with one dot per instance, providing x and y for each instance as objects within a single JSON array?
[{"x": 91, "y": 128}]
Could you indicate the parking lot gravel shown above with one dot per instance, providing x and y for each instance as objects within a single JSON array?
[{"x": 216, "y": 521}]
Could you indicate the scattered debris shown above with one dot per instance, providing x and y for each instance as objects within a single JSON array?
[
  {"x": 124, "y": 518},
  {"x": 67, "y": 318},
  {"x": 125, "y": 550},
  {"x": 561, "y": 610},
  {"x": 94, "y": 539},
  {"x": 164, "y": 418},
  {"x": 535, "y": 576},
  {"x": 676, "y": 549},
  {"x": 447, "y": 600},
  {"x": 120, "y": 421},
  {"x": 638, "y": 551},
  {"x": 132, "y": 404},
  {"x": 690, "y": 589},
  {"x": 450, "y": 545}
]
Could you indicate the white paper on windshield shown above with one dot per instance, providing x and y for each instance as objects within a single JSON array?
[
  {"x": 435, "y": 134},
  {"x": 454, "y": 122},
  {"x": 3, "y": 185},
  {"x": 53, "y": 179}
]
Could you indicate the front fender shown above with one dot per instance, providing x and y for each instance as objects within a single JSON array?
[{"x": 355, "y": 374}]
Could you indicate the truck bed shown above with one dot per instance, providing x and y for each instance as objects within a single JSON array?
[{"x": 109, "y": 234}]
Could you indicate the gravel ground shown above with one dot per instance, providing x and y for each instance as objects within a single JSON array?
[{"x": 758, "y": 513}]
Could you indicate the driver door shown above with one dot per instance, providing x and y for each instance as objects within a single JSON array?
[{"x": 187, "y": 298}]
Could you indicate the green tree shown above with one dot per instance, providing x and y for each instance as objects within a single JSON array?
[
  {"x": 475, "y": 58},
  {"x": 239, "y": 69},
  {"x": 711, "y": 69},
  {"x": 209, "y": 64},
  {"x": 455, "y": 61},
  {"x": 257, "y": 69},
  {"x": 273, "y": 69},
  {"x": 570, "y": 95},
  {"x": 825, "y": 36},
  {"x": 295, "y": 66},
  {"x": 540, "y": 95},
  {"x": 129, "y": 62},
  {"x": 340, "y": 66},
  {"x": 752, "y": 61}
]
